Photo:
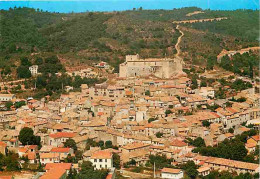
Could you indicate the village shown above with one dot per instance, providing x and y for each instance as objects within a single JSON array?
[{"x": 149, "y": 110}]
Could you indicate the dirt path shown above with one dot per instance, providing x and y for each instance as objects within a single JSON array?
[
  {"x": 194, "y": 13},
  {"x": 177, "y": 45},
  {"x": 232, "y": 52},
  {"x": 199, "y": 20}
]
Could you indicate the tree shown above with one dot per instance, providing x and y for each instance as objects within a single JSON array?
[
  {"x": 108, "y": 144},
  {"x": 25, "y": 61},
  {"x": 191, "y": 169},
  {"x": 101, "y": 143},
  {"x": 78, "y": 155},
  {"x": 159, "y": 134},
  {"x": 71, "y": 144},
  {"x": 39, "y": 61},
  {"x": 116, "y": 161},
  {"x": 132, "y": 162},
  {"x": 8, "y": 105},
  {"x": 160, "y": 161},
  {"x": 72, "y": 174},
  {"x": 194, "y": 83},
  {"x": 205, "y": 123},
  {"x": 87, "y": 171},
  {"x": 23, "y": 72},
  {"x": 152, "y": 119},
  {"x": 203, "y": 83},
  {"x": 11, "y": 162},
  {"x": 19, "y": 104},
  {"x": 147, "y": 93},
  {"x": 2, "y": 158},
  {"x": 26, "y": 137},
  {"x": 199, "y": 142},
  {"x": 167, "y": 112},
  {"x": 231, "y": 130}
]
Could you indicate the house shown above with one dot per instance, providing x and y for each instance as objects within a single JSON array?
[
  {"x": 57, "y": 139},
  {"x": 203, "y": 171},
  {"x": 171, "y": 173},
  {"x": 28, "y": 151},
  {"x": 34, "y": 70},
  {"x": 66, "y": 166},
  {"x": 135, "y": 146},
  {"x": 250, "y": 147},
  {"x": 102, "y": 159},
  {"x": 254, "y": 140},
  {"x": 207, "y": 92},
  {"x": 6, "y": 97},
  {"x": 63, "y": 152},
  {"x": 227, "y": 165},
  {"x": 49, "y": 158},
  {"x": 55, "y": 173}
]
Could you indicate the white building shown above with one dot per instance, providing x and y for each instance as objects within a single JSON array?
[
  {"x": 102, "y": 159},
  {"x": 207, "y": 92},
  {"x": 34, "y": 70},
  {"x": 49, "y": 158},
  {"x": 6, "y": 97},
  {"x": 203, "y": 171},
  {"x": 171, "y": 173}
]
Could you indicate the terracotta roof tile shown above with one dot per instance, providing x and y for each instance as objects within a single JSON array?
[
  {"x": 65, "y": 166},
  {"x": 62, "y": 135},
  {"x": 60, "y": 150},
  {"x": 171, "y": 170},
  {"x": 101, "y": 155}
]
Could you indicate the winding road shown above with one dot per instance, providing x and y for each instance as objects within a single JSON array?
[
  {"x": 177, "y": 45},
  {"x": 232, "y": 52}
]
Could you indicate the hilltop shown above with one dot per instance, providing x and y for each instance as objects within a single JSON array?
[{"x": 87, "y": 37}]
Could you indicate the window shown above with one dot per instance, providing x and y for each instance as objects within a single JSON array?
[
  {"x": 95, "y": 160},
  {"x": 105, "y": 160},
  {"x": 100, "y": 166},
  {"x": 105, "y": 166},
  {"x": 100, "y": 160}
]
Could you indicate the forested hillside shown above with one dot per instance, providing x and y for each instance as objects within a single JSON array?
[{"x": 110, "y": 36}]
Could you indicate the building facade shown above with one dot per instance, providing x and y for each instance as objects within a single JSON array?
[
  {"x": 134, "y": 66},
  {"x": 102, "y": 159},
  {"x": 34, "y": 70}
]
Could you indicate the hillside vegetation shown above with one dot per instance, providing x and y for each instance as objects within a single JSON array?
[{"x": 88, "y": 37}]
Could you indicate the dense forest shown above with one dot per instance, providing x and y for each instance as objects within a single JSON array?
[
  {"x": 94, "y": 36},
  {"x": 246, "y": 64}
]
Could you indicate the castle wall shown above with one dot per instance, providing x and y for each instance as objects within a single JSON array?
[
  {"x": 123, "y": 70},
  {"x": 162, "y": 68}
]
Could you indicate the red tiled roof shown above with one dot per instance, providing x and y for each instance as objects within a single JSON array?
[
  {"x": 5, "y": 177},
  {"x": 101, "y": 155},
  {"x": 60, "y": 150},
  {"x": 109, "y": 176},
  {"x": 31, "y": 155},
  {"x": 65, "y": 166},
  {"x": 2, "y": 144},
  {"x": 256, "y": 137},
  {"x": 171, "y": 170},
  {"x": 62, "y": 135},
  {"x": 178, "y": 143},
  {"x": 54, "y": 173}
]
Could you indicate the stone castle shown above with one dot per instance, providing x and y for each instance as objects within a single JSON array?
[{"x": 134, "y": 66}]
